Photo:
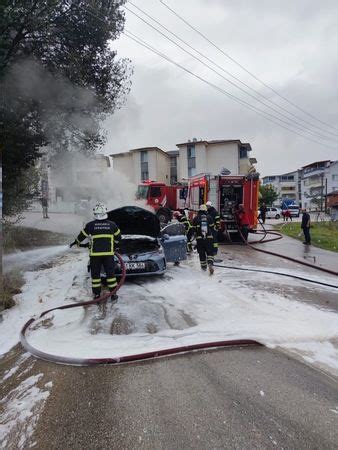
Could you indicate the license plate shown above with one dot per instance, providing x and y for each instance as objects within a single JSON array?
[{"x": 135, "y": 265}]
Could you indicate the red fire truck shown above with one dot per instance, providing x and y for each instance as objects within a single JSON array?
[
  {"x": 162, "y": 198},
  {"x": 226, "y": 193}
]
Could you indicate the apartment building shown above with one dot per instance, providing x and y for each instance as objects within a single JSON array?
[
  {"x": 191, "y": 158},
  {"x": 287, "y": 185},
  {"x": 307, "y": 186},
  {"x": 213, "y": 157},
  {"x": 318, "y": 179},
  {"x": 146, "y": 163}
]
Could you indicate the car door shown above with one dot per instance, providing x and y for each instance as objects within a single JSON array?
[{"x": 174, "y": 242}]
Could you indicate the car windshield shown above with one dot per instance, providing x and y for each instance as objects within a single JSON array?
[
  {"x": 293, "y": 207},
  {"x": 142, "y": 192}
]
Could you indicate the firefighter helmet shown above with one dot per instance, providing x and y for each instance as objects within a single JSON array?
[
  {"x": 209, "y": 203},
  {"x": 203, "y": 208},
  {"x": 176, "y": 214},
  {"x": 100, "y": 211}
]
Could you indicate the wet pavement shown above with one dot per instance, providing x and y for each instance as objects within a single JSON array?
[
  {"x": 236, "y": 398},
  {"x": 66, "y": 223},
  {"x": 293, "y": 248}
]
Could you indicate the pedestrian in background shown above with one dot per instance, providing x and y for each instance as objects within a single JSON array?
[
  {"x": 262, "y": 212},
  {"x": 306, "y": 223},
  {"x": 44, "y": 203},
  {"x": 203, "y": 226},
  {"x": 288, "y": 215}
]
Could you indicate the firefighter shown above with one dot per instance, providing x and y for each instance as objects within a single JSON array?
[
  {"x": 189, "y": 230},
  {"x": 212, "y": 211},
  {"x": 242, "y": 222},
  {"x": 104, "y": 236},
  {"x": 203, "y": 226}
]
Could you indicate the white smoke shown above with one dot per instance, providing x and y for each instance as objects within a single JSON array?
[{"x": 91, "y": 180}]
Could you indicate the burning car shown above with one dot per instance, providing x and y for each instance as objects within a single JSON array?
[{"x": 145, "y": 248}]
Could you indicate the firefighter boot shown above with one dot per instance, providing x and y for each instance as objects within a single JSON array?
[
  {"x": 211, "y": 269},
  {"x": 114, "y": 298}
]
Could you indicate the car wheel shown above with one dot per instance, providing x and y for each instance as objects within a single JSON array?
[{"x": 277, "y": 216}]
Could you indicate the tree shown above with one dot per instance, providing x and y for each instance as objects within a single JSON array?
[
  {"x": 268, "y": 194},
  {"x": 59, "y": 78}
]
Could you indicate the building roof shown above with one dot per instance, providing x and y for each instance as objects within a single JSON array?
[
  {"x": 217, "y": 141},
  {"x": 173, "y": 152},
  {"x": 140, "y": 150},
  {"x": 332, "y": 193},
  {"x": 316, "y": 162}
]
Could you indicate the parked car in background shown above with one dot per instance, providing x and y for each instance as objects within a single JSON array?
[
  {"x": 294, "y": 210},
  {"x": 273, "y": 213}
]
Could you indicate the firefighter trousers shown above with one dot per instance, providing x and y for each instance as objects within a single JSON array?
[
  {"x": 205, "y": 251},
  {"x": 96, "y": 262},
  {"x": 215, "y": 243},
  {"x": 190, "y": 237}
]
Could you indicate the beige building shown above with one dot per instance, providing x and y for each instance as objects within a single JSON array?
[
  {"x": 287, "y": 185},
  {"x": 147, "y": 163},
  {"x": 191, "y": 158},
  {"x": 213, "y": 157}
]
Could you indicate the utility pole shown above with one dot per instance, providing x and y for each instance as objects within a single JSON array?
[
  {"x": 325, "y": 195},
  {"x": 321, "y": 191}
]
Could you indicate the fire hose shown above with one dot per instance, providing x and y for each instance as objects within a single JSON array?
[
  {"x": 121, "y": 359},
  {"x": 289, "y": 258}
]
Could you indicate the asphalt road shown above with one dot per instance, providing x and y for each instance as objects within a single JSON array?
[{"x": 239, "y": 398}]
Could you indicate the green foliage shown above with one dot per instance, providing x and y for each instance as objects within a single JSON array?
[
  {"x": 268, "y": 194},
  {"x": 59, "y": 77},
  {"x": 323, "y": 234}
]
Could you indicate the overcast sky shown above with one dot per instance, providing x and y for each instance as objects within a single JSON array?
[{"x": 289, "y": 44}]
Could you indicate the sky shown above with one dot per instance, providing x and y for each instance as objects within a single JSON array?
[{"x": 291, "y": 45}]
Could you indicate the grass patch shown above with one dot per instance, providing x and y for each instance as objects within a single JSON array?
[
  {"x": 24, "y": 238},
  {"x": 323, "y": 234},
  {"x": 12, "y": 283}
]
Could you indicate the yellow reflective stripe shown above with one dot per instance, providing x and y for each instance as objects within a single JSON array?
[
  {"x": 117, "y": 232},
  {"x": 107, "y": 236},
  {"x": 83, "y": 232},
  {"x": 111, "y": 279},
  {"x": 96, "y": 280},
  {"x": 96, "y": 284},
  {"x": 111, "y": 285},
  {"x": 111, "y": 253}
]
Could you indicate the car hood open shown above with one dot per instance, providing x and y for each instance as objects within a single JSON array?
[{"x": 135, "y": 220}]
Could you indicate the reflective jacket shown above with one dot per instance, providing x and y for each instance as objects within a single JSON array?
[
  {"x": 215, "y": 216},
  {"x": 186, "y": 222},
  {"x": 104, "y": 235},
  {"x": 203, "y": 225}
]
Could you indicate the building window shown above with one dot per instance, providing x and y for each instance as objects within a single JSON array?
[
  {"x": 191, "y": 160},
  {"x": 291, "y": 178},
  {"x": 335, "y": 177},
  {"x": 144, "y": 165},
  {"x": 173, "y": 170},
  {"x": 243, "y": 152}
]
